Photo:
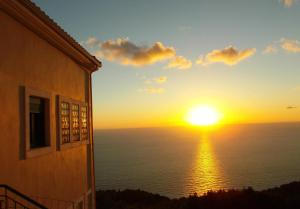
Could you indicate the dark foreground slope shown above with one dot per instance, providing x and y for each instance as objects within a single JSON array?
[{"x": 284, "y": 197}]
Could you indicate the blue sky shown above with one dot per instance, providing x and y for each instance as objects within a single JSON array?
[{"x": 242, "y": 79}]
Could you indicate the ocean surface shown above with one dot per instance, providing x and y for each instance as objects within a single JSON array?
[{"x": 180, "y": 161}]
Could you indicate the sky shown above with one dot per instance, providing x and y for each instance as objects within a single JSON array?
[{"x": 162, "y": 58}]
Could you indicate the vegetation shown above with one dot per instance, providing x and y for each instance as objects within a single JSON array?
[{"x": 284, "y": 197}]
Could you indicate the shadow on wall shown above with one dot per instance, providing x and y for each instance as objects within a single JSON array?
[{"x": 22, "y": 122}]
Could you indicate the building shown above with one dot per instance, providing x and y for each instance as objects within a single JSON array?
[{"x": 46, "y": 140}]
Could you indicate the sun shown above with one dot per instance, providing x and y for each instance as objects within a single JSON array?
[{"x": 203, "y": 115}]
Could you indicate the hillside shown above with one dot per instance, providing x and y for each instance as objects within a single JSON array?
[{"x": 284, "y": 197}]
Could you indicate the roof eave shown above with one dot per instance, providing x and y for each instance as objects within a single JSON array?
[{"x": 32, "y": 17}]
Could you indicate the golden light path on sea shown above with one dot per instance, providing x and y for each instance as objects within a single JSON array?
[{"x": 206, "y": 173}]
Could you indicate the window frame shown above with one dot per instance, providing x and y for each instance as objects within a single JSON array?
[
  {"x": 72, "y": 143},
  {"x": 34, "y": 152}
]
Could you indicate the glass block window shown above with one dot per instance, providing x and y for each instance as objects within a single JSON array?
[
  {"x": 84, "y": 126},
  {"x": 65, "y": 122},
  {"x": 75, "y": 122}
]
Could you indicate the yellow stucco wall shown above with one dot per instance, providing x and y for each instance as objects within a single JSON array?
[{"x": 27, "y": 60}]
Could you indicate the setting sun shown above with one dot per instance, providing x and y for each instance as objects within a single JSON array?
[{"x": 203, "y": 116}]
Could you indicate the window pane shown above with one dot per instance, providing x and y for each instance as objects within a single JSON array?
[
  {"x": 37, "y": 122},
  {"x": 65, "y": 122},
  {"x": 84, "y": 127},
  {"x": 75, "y": 122}
]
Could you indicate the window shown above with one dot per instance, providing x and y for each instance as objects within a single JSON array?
[
  {"x": 37, "y": 122},
  {"x": 73, "y": 122},
  {"x": 65, "y": 122},
  {"x": 84, "y": 122}
]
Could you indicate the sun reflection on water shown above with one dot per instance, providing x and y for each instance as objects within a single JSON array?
[{"x": 206, "y": 173}]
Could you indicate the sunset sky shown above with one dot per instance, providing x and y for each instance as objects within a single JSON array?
[{"x": 163, "y": 57}]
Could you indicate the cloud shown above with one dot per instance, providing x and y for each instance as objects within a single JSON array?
[
  {"x": 288, "y": 3},
  {"x": 180, "y": 63},
  {"x": 158, "y": 80},
  {"x": 228, "y": 56},
  {"x": 128, "y": 53},
  {"x": 161, "y": 79},
  {"x": 92, "y": 42},
  {"x": 152, "y": 90},
  {"x": 290, "y": 45},
  {"x": 202, "y": 61},
  {"x": 291, "y": 107},
  {"x": 125, "y": 52},
  {"x": 270, "y": 49}
]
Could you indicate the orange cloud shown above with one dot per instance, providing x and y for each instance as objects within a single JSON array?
[
  {"x": 128, "y": 53},
  {"x": 290, "y": 45},
  {"x": 228, "y": 56},
  {"x": 92, "y": 42},
  {"x": 270, "y": 49},
  {"x": 161, "y": 79},
  {"x": 180, "y": 63},
  {"x": 288, "y": 3}
]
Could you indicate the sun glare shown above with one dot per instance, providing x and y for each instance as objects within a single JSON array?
[{"x": 203, "y": 116}]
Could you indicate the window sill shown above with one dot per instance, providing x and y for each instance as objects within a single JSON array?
[
  {"x": 38, "y": 152},
  {"x": 72, "y": 144}
]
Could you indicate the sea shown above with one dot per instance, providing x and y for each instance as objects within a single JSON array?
[{"x": 181, "y": 161}]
